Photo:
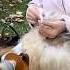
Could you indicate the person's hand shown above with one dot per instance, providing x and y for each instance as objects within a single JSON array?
[
  {"x": 51, "y": 29},
  {"x": 33, "y": 15}
]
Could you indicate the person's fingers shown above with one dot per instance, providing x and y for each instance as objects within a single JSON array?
[
  {"x": 35, "y": 11},
  {"x": 31, "y": 16},
  {"x": 44, "y": 26},
  {"x": 51, "y": 29},
  {"x": 51, "y": 33},
  {"x": 45, "y": 23},
  {"x": 31, "y": 19},
  {"x": 56, "y": 24},
  {"x": 53, "y": 24},
  {"x": 48, "y": 32},
  {"x": 44, "y": 30},
  {"x": 32, "y": 22}
]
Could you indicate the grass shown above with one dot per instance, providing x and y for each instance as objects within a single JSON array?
[{"x": 5, "y": 10}]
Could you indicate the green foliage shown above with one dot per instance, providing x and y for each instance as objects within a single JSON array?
[{"x": 8, "y": 7}]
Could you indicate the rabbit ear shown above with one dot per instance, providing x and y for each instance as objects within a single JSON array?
[
  {"x": 25, "y": 57},
  {"x": 20, "y": 64}
]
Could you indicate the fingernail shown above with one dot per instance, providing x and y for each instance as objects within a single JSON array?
[{"x": 38, "y": 21}]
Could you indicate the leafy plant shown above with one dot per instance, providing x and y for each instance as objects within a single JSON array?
[{"x": 8, "y": 7}]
